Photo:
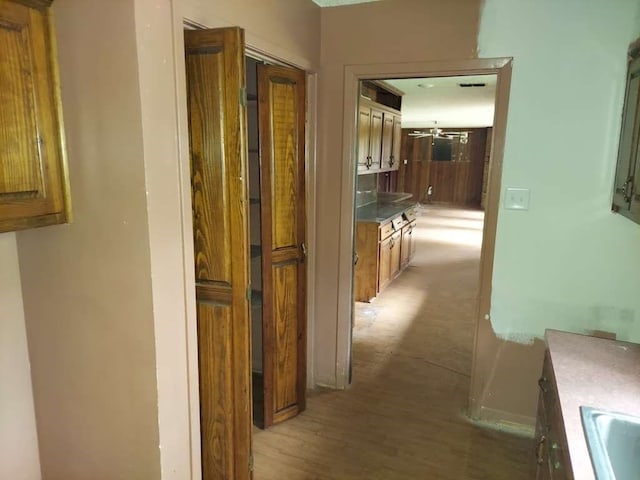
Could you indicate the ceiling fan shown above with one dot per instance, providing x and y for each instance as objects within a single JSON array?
[{"x": 436, "y": 132}]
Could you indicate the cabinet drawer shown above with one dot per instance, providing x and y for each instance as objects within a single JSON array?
[
  {"x": 386, "y": 230},
  {"x": 410, "y": 214}
]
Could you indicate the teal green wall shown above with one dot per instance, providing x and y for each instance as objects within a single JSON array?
[{"x": 567, "y": 262}]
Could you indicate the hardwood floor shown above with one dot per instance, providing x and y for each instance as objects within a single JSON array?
[{"x": 403, "y": 417}]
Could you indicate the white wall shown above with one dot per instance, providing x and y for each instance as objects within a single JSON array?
[
  {"x": 568, "y": 262},
  {"x": 19, "y": 459}
]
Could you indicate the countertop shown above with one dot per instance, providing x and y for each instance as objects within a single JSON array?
[
  {"x": 381, "y": 212},
  {"x": 593, "y": 372}
]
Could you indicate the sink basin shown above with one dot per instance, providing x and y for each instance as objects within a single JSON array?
[{"x": 614, "y": 443}]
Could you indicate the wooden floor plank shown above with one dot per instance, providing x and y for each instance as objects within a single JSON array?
[{"x": 404, "y": 415}]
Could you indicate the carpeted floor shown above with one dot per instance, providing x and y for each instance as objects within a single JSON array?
[{"x": 403, "y": 417}]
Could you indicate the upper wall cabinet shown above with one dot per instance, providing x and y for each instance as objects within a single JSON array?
[
  {"x": 33, "y": 177},
  {"x": 379, "y": 129},
  {"x": 626, "y": 193}
]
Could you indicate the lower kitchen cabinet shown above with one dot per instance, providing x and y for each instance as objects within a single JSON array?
[
  {"x": 550, "y": 454},
  {"x": 383, "y": 250},
  {"x": 600, "y": 374},
  {"x": 408, "y": 247},
  {"x": 389, "y": 263}
]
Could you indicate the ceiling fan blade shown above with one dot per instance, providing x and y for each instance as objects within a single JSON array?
[{"x": 417, "y": 134}]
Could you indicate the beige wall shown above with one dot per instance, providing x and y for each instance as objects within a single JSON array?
[
  {"x": 392, "y": 31},
  {"x": 18, "y": 439},
  {"x": 285, "y": 29},
  {"x": 109, "y": 298},
  {"x": 87, "y": 286}
]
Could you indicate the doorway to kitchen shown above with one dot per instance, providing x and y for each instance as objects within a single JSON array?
[
  {"x": 423, "y": 163},
  {"x": 449, "y": 144}
]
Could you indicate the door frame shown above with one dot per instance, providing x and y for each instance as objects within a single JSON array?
[{"x": 501, "y": 67}]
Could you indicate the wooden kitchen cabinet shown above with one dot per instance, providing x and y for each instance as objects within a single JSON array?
[
  {"x": 379, "y": 137},
  {"x": 626, "y": 196},
  {"x": 367, "y": 261},
  {"x": 387, "y": 141},
  {"x": 391, "y": 138},
  {"x": 33, "y": 175},
  {"x": 397, "y": 141},
  {"x": 408, "y": 245},
  {"x": 394, "y": 264},
  {"x": 389, "y": 265},
  {"x": 383, "y": 251},
  {"x": 550, "y": 453},
  {"x": 370, "y": 124}
]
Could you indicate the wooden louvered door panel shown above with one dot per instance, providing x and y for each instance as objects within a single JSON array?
[
  {"x": 281, "y": 105},
  {"x": 217, "y": 129}
]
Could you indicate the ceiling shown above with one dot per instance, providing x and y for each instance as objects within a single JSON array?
[
  {"x": 337, "y": 3},
  {"x": 442, "y": 100}
]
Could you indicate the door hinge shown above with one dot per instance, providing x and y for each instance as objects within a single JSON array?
[
  {"x": 243, "y": 96},
  {"x": 249, "y": 292},
  {"x": 251, "y": 462}
]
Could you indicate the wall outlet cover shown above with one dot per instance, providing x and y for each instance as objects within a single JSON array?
[{"x": 516, "y": 198}]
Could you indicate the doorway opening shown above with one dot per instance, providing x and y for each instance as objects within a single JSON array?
[
  {"x": 423, "y": 155},
  {"x": 354, "y": 74}
]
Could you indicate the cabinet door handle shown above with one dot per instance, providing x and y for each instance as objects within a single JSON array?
[
  {"x": 355, "y": 258},
  {"x": 542, "y": 384},
  {"x": 627, "y": 188},
  {"x": 303, "y": 248},
  {"x": 368, "y": 162},
  {"x": 540, "y": 450}
]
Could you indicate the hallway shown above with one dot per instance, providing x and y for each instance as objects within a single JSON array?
[{"x": 403, "y": 417}]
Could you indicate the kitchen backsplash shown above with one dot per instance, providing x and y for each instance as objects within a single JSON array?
[{"x": 366, "y": 189}]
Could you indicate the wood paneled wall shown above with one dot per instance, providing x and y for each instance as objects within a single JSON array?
[{"x": 454, "y": 183}]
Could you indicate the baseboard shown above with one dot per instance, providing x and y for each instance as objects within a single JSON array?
[{"x": 514, "y": 423}]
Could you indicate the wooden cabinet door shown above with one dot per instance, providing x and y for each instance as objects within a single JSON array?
[
  {"x": 387, "y": 141},
  {"x": 365, "y": 271},
  {"x": 624, "y": 187},
  {"x": 406, "y": 245},
  {"x": 394, "y": 263},
  {"x": 217, "y": 132},
  {"x": 33, "y": 188},
  {"x": 412, "y": 241},
  {"x": 396, "y": 143},
  {"x": 384, "y": 264},
  {"x": 375, "y": 139},
  {"x": 281, "y": 105},
  {"x": 364, "y": 130}
]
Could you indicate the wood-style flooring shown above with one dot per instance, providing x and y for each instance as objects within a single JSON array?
[{"x": 404, "y": 415}]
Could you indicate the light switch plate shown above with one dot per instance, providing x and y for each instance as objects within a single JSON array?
[{"x": 516, "y": 198}]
